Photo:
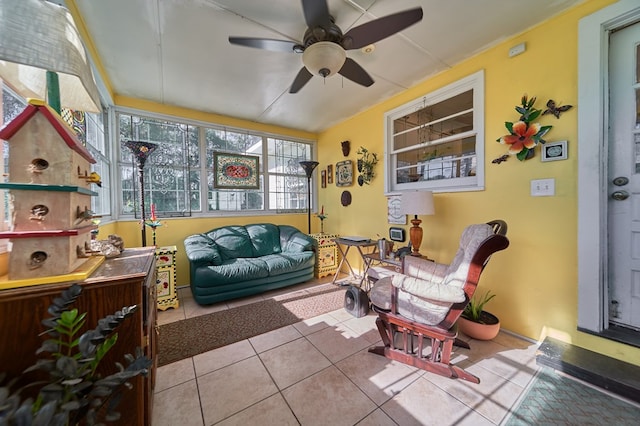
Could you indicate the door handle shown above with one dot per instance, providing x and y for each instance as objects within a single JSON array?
[{"x": 620, "y": 195}]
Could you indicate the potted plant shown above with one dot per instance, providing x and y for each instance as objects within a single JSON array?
[
  {"x": 366, "y": 164},
  {"x": 477, "y": 323},
  {"x": 74, "y": 391}
]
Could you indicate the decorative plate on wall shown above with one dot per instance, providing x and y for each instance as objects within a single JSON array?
[
  {"x": 344, "y": 173},
  {"x": 345, "y": 198}
]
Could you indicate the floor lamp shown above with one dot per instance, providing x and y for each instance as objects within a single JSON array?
[
  {"x": 308, "y": 167},
  {"x": 141, "y": 151},
  {"x": 416, "y": 203}
]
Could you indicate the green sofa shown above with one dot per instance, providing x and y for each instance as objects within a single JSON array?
[{"x": 236, "y": 261}]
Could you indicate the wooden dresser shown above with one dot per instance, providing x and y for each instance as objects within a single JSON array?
[{"x": 123, "y": 281}]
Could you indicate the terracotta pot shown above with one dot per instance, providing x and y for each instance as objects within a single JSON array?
[{"x": 480, "y": 331}]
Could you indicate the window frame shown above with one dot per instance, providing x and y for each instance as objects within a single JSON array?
[
  {"x": 202, "y": 168},
  {"x": 474, "y": 82}
]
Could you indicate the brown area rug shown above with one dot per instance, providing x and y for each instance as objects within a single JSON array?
[{"x": 193, "y": 336}]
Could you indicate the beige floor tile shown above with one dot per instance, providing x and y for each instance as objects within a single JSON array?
[
  {"x": 174, "y": 374},
  {"x": 377, "y": 418},
  {"x": 178, "y": 405},
  {"x": 380, "y": 378},
  {"x": 365, "y": 326},
  {"x": 274, "y": 338},
  {"x": 423, "y": 403},
  {"x": 231, "y": 389},
  {"x": 328, "y": 398},
  {"x": 221, "y": 357},
  {"x": 271, "y": 411},
  {"x": 315, "y": 324},
  {"x": 341, "y": 315},
  {"x": 171, "y": 315},
  {"x": 293, "y": 361},
  {"x": 338, "y": 342},
  {"x": 492, "y": 397}
]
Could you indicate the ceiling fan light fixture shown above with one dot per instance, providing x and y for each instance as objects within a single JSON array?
[{"x": 324, "y": 58}]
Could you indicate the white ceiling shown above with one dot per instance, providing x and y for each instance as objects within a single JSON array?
[{"x": 177, "y": 52}]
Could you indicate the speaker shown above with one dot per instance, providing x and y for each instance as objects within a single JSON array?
[{"x": 356, "y": 301}]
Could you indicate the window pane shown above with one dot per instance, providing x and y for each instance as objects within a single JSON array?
[
  {"x": 433, "y": 142},
  {"x": 169, "y": 184}
]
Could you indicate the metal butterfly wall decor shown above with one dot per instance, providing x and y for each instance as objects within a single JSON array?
[{"x": 552, "y": 108}]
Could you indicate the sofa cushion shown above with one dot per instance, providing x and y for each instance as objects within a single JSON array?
[
  {"x": 265, "y": 238},
  {"x": 233, "y": 242},
  {"x": 283, "y": 263},
  {"x": 234, "y": 271},
  {"x": 202, "y": 250}
]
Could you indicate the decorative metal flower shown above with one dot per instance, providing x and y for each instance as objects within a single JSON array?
[{"x": 524, "y": 135}]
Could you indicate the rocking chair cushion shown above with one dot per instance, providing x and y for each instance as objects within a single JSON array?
[
  {"x": 432, "y": 291},
  {"x": 412, "y": 307}
]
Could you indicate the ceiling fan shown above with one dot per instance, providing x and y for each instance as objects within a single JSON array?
[{"x": 324, "y": 46}]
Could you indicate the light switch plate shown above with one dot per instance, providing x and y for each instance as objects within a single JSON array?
[{"x": 543, "y": 187}]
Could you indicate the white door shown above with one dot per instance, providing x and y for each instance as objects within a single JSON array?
[{"x": 623, "y": 187}]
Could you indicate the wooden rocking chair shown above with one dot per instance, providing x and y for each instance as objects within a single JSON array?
[{"x": 426, "y": 300}]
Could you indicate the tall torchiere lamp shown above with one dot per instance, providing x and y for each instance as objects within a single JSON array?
[
  {"x": 417, "y": 203},
  {"x": 308, "y": 167},
  {"x": 141, "y": 151}
]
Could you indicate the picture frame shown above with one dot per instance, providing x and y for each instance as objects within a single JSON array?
[
  {"x": 323, "y": 177},
  {"x": 396, "y": 234},
  {"x": 330, "y": 173},
  {"x": 554, "y": 151},
  {"x": 344, "y": 173},
  {"x": 236, "y": 171}
]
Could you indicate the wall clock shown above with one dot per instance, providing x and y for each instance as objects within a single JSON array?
[{"x": 344, "y": 173}]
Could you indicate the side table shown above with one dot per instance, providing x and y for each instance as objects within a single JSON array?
[
  {"x": 327, "y": 256},
  {"x": 167, "y": 296},
  {"x": 348, "y": 243}
]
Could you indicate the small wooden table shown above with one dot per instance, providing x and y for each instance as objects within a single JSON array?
[{"x": 348, "y": 243}]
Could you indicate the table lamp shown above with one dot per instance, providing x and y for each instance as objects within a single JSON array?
[
  {"x": 416, "y": 203},
  {"x": 42, "y": 56}
]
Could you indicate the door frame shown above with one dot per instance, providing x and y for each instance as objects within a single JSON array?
[{"x": 593, "y": 52}]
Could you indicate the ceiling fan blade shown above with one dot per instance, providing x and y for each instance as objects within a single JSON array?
[
  {"x": 355, "y": 73},
  {"x": 265, "y": 43},
  {"x": 301, "y": 79},
  {"x": 316, "y": 13},
  {"x": 381, "y": 28}
]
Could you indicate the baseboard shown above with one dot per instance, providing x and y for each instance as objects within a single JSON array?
[{"x": 616, "y": 376}]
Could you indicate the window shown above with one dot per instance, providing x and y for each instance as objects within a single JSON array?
[
  {"x": 437, "y": 142},
  {"x": 175, "y": 174}
]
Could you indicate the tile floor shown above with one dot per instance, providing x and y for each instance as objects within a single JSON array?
[{"x": 318, "y": 372}]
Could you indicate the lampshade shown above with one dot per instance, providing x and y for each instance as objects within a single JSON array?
[
  {"x": 141, "y": 150},
  {"x": 417, "y": 203},
  {"x": 308, "y": 167},
  {"x": 324, "y": 58},
  {"x": 38, "y": 36}
]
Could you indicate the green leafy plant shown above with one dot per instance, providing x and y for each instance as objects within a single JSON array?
[
  {"x": 473, "y": 311},
  {"x": 366, "y": 165},
  {"x": 75, "y": 390}
]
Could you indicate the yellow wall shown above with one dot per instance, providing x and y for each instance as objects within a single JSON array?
[{"x": 535, "y": 279}]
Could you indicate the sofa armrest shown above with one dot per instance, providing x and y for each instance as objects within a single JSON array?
[
  {"x": 202, "y": 250},
  {"x": 429, "y": 290},
  {"x": 294, "y": 241}
]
